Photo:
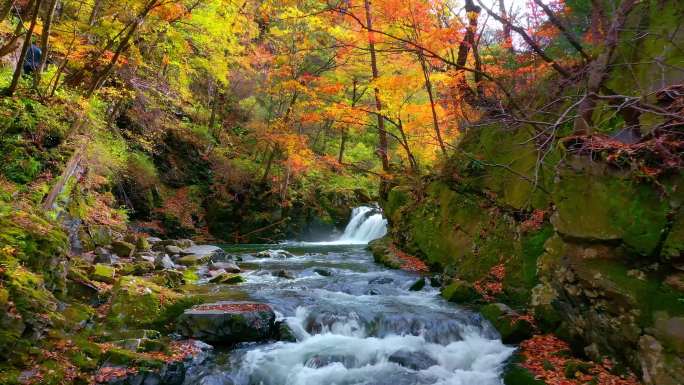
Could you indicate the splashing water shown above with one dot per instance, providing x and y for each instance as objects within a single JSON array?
[{"x": 366, "y": 224}]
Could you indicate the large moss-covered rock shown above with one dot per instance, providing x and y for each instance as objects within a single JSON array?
[
  {"x": 228, "y": 322},
  {"x": 509, "y": 324},
  {"x": 103, "y": 273},
  {"x": 138, "y": 302},
  {"x": 123, "y": 249},
  {"x": 595, "y": 203},
  {"x": 460, "y": 291}
]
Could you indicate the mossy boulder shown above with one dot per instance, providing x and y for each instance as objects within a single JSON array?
[
  {"x": 103, "y": 273},
  {"x": 123, "y": 249},
  {"x": 595, "y": 203},
  {"x": 509, "y": 324},
  {"x": 169, "y": 278},
  {"x": 138, "y": 302},
  {"x": 142, "y": 244},
  {"x": 228, "y": 322},
  {"x": 193, "y": 260},
  {"x": 460, "y": 291},
  {"x": 227, "y": 279},
  {"x": 383, "y": 253}
]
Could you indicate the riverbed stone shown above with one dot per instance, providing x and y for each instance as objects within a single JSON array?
[
  {"x": 209, "y": 251},
  {"x": 193, "y": 260},
  {"x": 281, "y": 254},
  {"x": 227, "y": 278},
  {"x": 164, "y": 262},
  {"x": 284, "y": 274},
  {"x": 105, "y": 256},
  {"x": 228, "y": 322},
  {"x": 227, "y": 266},
  {"x": 416, "y": 360},
  {"x": 460, "y": 291},
  {"x": 512, "y": 327}
]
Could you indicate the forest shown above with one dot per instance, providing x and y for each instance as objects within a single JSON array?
[{"x": 281, "y": 192}]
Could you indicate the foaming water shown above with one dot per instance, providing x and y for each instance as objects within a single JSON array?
[{"x": 356, "y": 323}]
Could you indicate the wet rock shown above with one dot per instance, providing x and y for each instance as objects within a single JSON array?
[
  {"x": 227, "y": 278},
  {"x": 284, "y": 274},
  {"x": 285, "y": 333},
  {"x": 123, "y": 249},
  {"x": 381, "y": 281},
  {"x": 216, "y": 379},
  {"x": 280, "y": 254},
  {"x": 103, "y": 273},
  {"x": 103, "y": 255},
  {"x": 153, "y": 240},
  {"x": 227, "y": 266},
  {"x": 509, "y": 324},
  {"x": 460, "y": 291},
  {"x": 418, "y": 285},
  {"x": 323, "y": 272},
  {"x": 208, "y": 251},
  {"x": 319, "y": 361},
  {"x": 228, "y": 322},
  {"x": 416, "y": 360}
]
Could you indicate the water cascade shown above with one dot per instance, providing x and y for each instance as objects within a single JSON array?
[{"x": 365, "y": 225}]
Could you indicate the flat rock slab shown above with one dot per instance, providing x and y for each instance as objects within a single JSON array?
[
  {"x": 210, "y": 251},
  {"x": 228, "y": 322}
]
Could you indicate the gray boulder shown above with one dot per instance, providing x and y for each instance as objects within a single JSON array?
[
  {"x": 204, "y": 250},
  {"x": 228, "y": 322},
  {"x": 164, "y": 262},
  {"x": 280, "y": 254},
  {"x": 227, "y": 266},
  {"x": 173, "y": 249},
  {"x": 103, "y": 255},
  {"x": 416, "y": 360}
]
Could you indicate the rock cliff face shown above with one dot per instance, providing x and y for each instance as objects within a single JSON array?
[
  {"x": 596, "y": 257},
  {"x": 586, "y": 236}
]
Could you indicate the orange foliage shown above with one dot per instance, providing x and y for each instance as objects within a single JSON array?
[{"x": 546, "y": 358}]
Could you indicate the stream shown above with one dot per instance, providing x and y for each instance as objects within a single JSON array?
[{"x": 355, "y": 322}]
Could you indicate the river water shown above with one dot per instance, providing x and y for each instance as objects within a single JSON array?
[{"x": 356, "y": 322}]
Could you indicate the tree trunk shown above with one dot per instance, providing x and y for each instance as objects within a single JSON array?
[
  {"x": 382, "y": 134},
  {"x": 123, "y": 45},
  {"x": 428, "y": 88},
  {"x": 44, "y": 40},
  {"x": 473, "y": 12},
  {"x": 24, "y": 49},
  {"x": 599, "y": 68},
  {"x": 95, "y": 12},
  {"x": 343, "y": 140},
  {"x": 508, "y": 38}
]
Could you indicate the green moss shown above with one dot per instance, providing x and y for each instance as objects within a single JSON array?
[
  {"x": 190, "y": 275},
  {"x": 139, "y": 302},
  {"x": 512, "y": 329},
  {"x": 609, "y": 207},
  {"x": 674, "y": 243},
  {"x": 517, "y": 375},
  {"x": 103, "y": 273},
  {"x": 460, "y": 291},
  {"x": 129, "y": 358}
]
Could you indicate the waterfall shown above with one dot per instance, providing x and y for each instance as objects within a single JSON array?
[{"x": 365, "y": 225}]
